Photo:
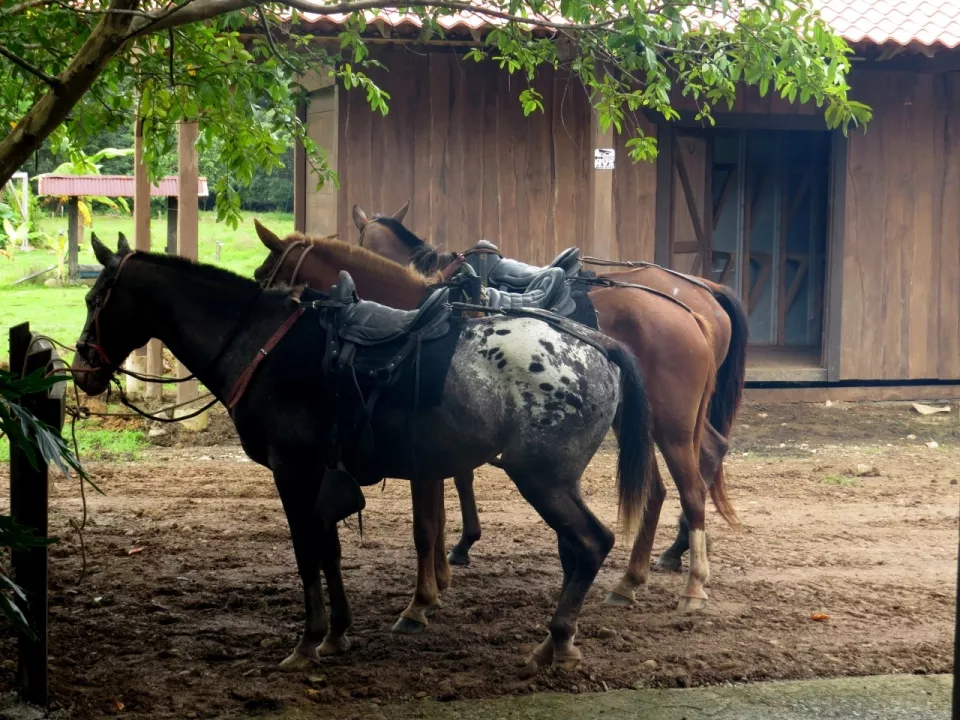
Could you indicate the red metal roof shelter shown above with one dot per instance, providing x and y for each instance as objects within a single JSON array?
[{"x": 109, "y": 186}]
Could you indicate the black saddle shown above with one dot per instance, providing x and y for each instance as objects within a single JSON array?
[
  {"x": 514, "y": 276},
  {"x": 368, "y": 323},
  {"x": 366, "y": 347},
  {"x": 549, "y": 290}
]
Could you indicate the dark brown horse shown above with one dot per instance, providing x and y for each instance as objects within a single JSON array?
[{"x": 682, "y": 374}]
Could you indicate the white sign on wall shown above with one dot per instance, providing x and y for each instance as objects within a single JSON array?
[{"x": 604, "y": 158}]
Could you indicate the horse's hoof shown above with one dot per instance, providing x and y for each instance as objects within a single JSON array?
[
  {"x": 336, "y": 646},
  {"x": 691, "y": 604},
  {"x": 456, "y": 557},
  {"x": 297, "y": 661},
  {"x": 529, "y": 670},
  {"x": 615, "y": 599},
  {"x": 409, "y": 626},
  {"x": 569, "y": 659},
  {"x": 667, "y": 563}
]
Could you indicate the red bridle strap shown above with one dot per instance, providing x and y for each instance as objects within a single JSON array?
[{"x": 244, "y": 380}]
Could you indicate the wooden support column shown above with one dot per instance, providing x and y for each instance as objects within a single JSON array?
[
  {"x": 172, "y": 214},
  {"x": 73, "y": 239},
  {"x": 137, "y": 361},
  {"x": 300, "y": 178},
  {"x": 188, "y": 234},
  {"x": 603, "y": 243},
  {"x": 321, "y": 114}
]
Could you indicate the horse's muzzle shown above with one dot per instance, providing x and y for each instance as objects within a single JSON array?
[{"x": 92, "y": 380}]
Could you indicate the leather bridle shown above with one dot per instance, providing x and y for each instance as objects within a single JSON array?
[
  {"x": 98, "y": 345},
  {"x": 283, "y": 256}
]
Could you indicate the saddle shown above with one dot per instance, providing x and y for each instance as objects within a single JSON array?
[
  {"x": 513, "y": 285},
  {"x": 368, "y": 323},
  {"x": 385, "y": 338},
  {"x": 548, "y": 290},
  {"x": 514, "y": 276}
]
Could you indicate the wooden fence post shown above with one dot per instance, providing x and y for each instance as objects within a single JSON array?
[
  {"x": 28, "y": 506},
  {"x": 73, "y": 239}
]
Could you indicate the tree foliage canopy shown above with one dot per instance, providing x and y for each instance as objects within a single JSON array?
[{"x": 74, "y": 68}]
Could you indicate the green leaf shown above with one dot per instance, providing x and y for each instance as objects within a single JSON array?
[{"x": 15, "y": 615}]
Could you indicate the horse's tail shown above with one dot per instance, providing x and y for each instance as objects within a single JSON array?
[
  {"x": 716, "y": 485},
  {"x": 733, "y": 370},
  {"x": 635, "y": 464}
]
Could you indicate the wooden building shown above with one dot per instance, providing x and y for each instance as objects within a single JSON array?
[{"x": 845, "y": 249}]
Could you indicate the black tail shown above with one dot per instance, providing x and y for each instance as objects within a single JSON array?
[
  {"x": 634, "y": 466},
  {"x": 732, "y": 372}
]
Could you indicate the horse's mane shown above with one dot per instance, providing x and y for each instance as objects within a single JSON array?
[
  {"x": 178, "y": 262},
  {"x": 339, "y": 253},
  {"x": 404, "y": 235}
]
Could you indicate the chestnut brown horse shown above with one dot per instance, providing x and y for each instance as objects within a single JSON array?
[
  {"x": 728, "y": 334},
  {"x": 681, "y": 383}
]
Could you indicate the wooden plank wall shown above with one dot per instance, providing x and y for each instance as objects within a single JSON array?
[
  {"x": 457, "y": 146},
  {"x": 634, "y": 200},
  {"x": 901, "y": 262}
]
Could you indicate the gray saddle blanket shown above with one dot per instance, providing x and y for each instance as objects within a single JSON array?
[{"x": 367, "y": 323}]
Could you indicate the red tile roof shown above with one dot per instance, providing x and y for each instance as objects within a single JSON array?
[
  {"x": 108, "y": 186},
  {"x": 896, "y": 22}
]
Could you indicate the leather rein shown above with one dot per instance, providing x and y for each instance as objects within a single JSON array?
[{"x": 240, "y": 386}]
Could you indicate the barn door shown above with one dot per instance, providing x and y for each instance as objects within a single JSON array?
[{"x": 691, "y": 211}]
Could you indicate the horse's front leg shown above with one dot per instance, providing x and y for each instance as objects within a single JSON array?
[
  {"x": 460, "y": 554},
  {"x": 298, "y": 486},
  {"x": 427, "y": 500}
]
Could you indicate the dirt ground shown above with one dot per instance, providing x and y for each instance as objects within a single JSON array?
[{"x": 195, "y": 623}]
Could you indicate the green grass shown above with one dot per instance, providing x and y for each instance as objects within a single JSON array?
[
  {"x": 97, "y": 443},
  {"x": 60, "y": 312},
  {"x": 839, "y": 480}
]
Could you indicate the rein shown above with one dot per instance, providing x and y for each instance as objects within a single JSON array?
[{"x": 642, "y": 265}]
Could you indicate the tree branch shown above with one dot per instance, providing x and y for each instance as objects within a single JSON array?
[
  {"x": 24, "y": 65},
  {"x": 201, "y": 10}
]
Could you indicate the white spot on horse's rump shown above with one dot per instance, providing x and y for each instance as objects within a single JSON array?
[
  {"x": 676, "y": 291},
  {"x": 529, "y": 370}
]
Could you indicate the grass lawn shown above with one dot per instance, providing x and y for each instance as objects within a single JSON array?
[{"x": 60, "y": 312}]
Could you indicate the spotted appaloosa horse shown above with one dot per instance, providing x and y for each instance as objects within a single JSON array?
[
  {"x": 676, "y": 354},
  {"x": 264, "y": 353}
]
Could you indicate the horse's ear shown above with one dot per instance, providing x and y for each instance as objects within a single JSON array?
[
  {"x": 402, "y": 212},
  {"x": 359, "y": 218},
  {"x": 103, "y": 254},
  {"x": 268, "y": 237},
  {"x": 123, "y": 247}
]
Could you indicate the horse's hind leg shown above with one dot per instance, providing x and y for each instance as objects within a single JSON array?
[
  {"x": 460, "y": 554},
  {"x": 638, "y": 569},
  {"x": 681, "y": 458},
  {"x": 427, "y": 499},
  {"x": 584, "y": 543},
  {"x": 713, "y": 449}
]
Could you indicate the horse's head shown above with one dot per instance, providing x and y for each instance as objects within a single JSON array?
[
  {"x": 112, "y": 329},
  {"x": 271, "y": 268},
  {"x": 385, "y": 234}
]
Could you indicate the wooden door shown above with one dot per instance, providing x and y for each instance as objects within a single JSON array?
[{"x": 691, "y": 211}]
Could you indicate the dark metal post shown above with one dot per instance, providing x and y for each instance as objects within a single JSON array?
[{"x": 28, "y": 506}]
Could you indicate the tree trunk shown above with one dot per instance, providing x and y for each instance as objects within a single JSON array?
[{"x": 105, "y": 41}]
